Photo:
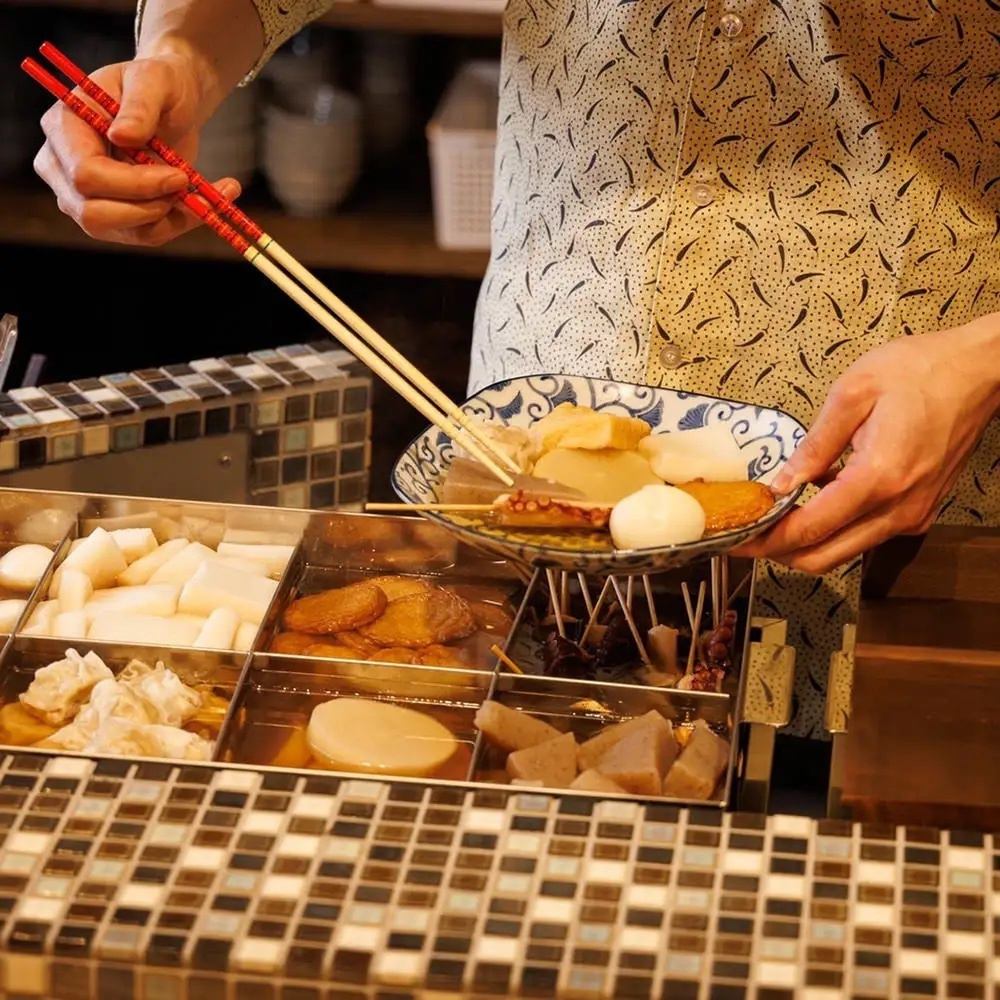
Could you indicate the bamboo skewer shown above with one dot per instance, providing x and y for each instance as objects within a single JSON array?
[
  {"x": 585, "y": 591},
  {"x": 647, "y": 586},
  {"x": 695, "y": 627},
  {"x": 630, "y": 621},
  {"x": 718, "y": 596},
  {"x": 505, "y": 659},
  {"x": 444, "y": 508},
  {"x": 434, "y": 405},
  {"x": 598, "y": 605},
  {"x": 550, "y": 576}
]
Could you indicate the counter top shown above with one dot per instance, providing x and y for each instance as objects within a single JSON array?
[{"x": 121, "y": 879}]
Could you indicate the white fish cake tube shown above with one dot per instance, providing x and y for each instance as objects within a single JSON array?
[
  {"x": 135, "y": 542},
  {"x": 159, "y": 599},
  {"x": 216, "y": 585},
  {"x": 99, "y": 557},
  {"x": 70, "y": 625},
  {"x": 75, "y": 589},
  {"x": 10, "y": 613},
  {"x": 274, "y": 557},
  {"x": 184, "y": 565},
  {"x": 245, "y": 636},
  {"x": 143, "y": 629},
  {"x": 143, "y": 569},
  {"x": 219, "y": 630}
]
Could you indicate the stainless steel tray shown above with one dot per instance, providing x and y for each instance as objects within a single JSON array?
[{"x": 271, "y": 694}]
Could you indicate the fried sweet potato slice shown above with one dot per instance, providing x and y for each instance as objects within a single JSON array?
[
  {"x": 341, "y": 610},
  {"x": 730, "y": 505},
  {"x": 434, "y": 617}
]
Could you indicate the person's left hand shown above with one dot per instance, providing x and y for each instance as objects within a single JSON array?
[{"x": 912, "y": 412}]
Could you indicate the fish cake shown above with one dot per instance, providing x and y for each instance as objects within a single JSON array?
[
  {"x": 395, "y": 654},
  {"x": 730, "y": 505},
  {"x": 333, "y": 651},
  {"x": 441, "y": 656},
  {"x": 395, "y": 587},
  {"x": 292, "y": 643},
  {"x": 434, "y": 617},
  {"x": 357, "y": 642},
  {"x": 341, "y": 610}
]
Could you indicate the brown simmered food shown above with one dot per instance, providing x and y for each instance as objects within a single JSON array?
[
  {"x": 341, "y": 610},
  {"x": 441, "y": 656},
  {"x": 395, "y": 654},
  {"x": 332, "y": 651},
  {"x": 422, "y": 620},
  {"x": 395, "y": 587},
  {"x": 357, "y": 642},
  {"x": 292, "y": 643},
  {"x": 730, "y": 505}
]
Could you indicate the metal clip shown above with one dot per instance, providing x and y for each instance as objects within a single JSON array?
[
  {"x": 840, "y": 684},
  {"x": 770, "y": 680},
  {"x": 8, "y": 341}
]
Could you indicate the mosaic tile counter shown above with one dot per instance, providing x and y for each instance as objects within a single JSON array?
[
  {"x": 306, "y": 409},
  {"x": 122, "y": 880}
]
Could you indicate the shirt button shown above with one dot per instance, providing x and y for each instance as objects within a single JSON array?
[
  {"x": 731, "y": 24},
  {"x": 702, "y": 194},
  {"x": 670, "y": 356}
]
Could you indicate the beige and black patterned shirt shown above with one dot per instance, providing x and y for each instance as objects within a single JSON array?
[{"x": 740, "y": 198}]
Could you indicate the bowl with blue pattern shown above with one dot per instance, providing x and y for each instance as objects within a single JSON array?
[{"x": 766, "y": 436}]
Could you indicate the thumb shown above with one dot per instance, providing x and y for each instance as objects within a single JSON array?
[
  {"x": 847, "y": 406},
  {"x": 145, "y": 97}
]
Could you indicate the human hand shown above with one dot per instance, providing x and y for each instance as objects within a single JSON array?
[
  {"x": 912, "y": 412},
  {"x": 118, "y": 201}
]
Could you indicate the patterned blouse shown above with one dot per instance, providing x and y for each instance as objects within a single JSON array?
[{"x": 741, "y": 198}]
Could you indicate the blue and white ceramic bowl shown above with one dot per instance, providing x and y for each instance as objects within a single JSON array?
[{"x": 766, "y": 436}]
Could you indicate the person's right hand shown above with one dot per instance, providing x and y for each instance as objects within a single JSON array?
[{"x": 112, "y": 199}]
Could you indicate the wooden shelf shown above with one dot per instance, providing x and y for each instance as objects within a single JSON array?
[
  {"x": 375, "y": 236},
  {"x": 359, "y": 15}
]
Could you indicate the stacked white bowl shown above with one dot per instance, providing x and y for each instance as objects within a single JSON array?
[
  {"x": 228, "y": 146},
  {"x": 312, "y": 147}
]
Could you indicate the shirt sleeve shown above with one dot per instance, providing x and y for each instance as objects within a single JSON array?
[{"x": 280, "y": 20}]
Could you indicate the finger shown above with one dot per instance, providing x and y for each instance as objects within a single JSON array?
[
  {"x": 845, "y": 545},
  {"x": 84, "y": 159},
  {"x": 146, "y": 96},
  {"x": 176, "y": 223},
  {"x": 853, "y": 494},
  {"x": 847, "y": 406}
]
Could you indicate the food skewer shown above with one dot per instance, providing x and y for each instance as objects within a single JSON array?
[
  {"x": 585, "y": 592},
  {"x": 443, "y": 508},
  {"x": 647, "y": 586},
  {"x": 630, "y": 621},
  {"x": 598, "y": 605},
  {"x": 736, "y": 590},
  {"x": 550, "y": 576},
  {"x": 450, "y": 425},
  {"x": 718, "y": 595},
  {"x": 695, "y": 626},
  {"x": 505, "y": 659},
  {"x": 630, "y": 592}
]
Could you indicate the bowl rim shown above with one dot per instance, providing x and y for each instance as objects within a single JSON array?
[{"x": 774, "y": 514}]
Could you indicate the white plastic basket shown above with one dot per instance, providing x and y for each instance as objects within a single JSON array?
[{"x": 462, "y": 138}]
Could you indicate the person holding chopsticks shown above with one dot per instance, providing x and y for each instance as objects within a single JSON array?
[{"x": 792, "y": 203}]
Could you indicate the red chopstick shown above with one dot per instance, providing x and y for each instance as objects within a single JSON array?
[
  {"x": 100, "y": 124},
  {"x": 370, "y": 348},
  {"x": 209, "y": 192}
]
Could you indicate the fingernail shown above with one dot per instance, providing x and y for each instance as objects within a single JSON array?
[
  {"x": 783, "y": 482},
  {"x": 230, "y": 190}
]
